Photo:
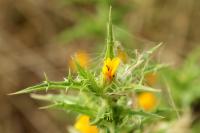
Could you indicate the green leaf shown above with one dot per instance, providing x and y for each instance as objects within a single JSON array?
[
  {"x": 81, "y": 71},
  {"x": 67, "y": 103},
  {"x": 72, "y": 107},
  {"x": 55, "y": 98},
  {"x": 100, "y": 116},
  {"x": 62, "y": 85},
  {"x": 142, "y": 113},
  {"x": 139, "y": 88},
  {"x": 88, "y": 78},
  {"x": 151, "y": 51}
]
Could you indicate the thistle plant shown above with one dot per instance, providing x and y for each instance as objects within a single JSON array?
[{"x": 104, "y": 99}]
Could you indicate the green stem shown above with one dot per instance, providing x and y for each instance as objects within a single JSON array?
[
  {"x": 112, "y": 129},
  {"x": 110, "y": 40}
]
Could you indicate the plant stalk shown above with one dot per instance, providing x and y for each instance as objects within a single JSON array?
[{"x": 110, "y": 40}]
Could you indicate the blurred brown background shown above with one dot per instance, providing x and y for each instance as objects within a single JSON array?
[{"x": 29, "y": 47}]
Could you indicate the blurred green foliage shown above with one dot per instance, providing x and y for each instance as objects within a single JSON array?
[
  {"x": 184, "y": 82},
  {"x": 90, "y": 23}
]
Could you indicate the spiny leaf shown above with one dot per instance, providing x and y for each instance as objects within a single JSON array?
[
  {"x": 142, "y": 113},
  {"x": 166, "y": 111},
  {"x": 51, "y": 85},
  {"x": 89, "y": 79},
  {"x": 72, "y": 107},
  {"x": 100, "y": 115},
  {"x": 151, "y": 51},
  {"x": 55, "y": 98},
  {"x": 81, "y": 71},
  {"x": 155, "y": 68},
  {"x": 139, "y": 88}
]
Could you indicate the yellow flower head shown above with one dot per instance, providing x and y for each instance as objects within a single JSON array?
[
  {"x": 151, "y": 78},
  {"x": 122, "y": 54},
  {"x": 147, "y": 101},
  {"x": 110, "y": 67},
  {"x": 83, "y": 59},
  {"x": 83, "y": 125}
]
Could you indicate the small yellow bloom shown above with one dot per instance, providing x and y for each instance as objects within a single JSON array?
[
  {"x": 82, "y": 57},
  {"x": 151, "y": 78},
  {"x": 83, "y": 125},
  {"x": 147, "y": 101},
  {"x": 122, "y": 54},
  {"x": 109, "y": 68}
]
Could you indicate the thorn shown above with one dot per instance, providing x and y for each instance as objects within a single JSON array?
[
  {"x": 69, "y": 73},
  {"x": 66, "y": 89},
  {"x": 46, "y": 81},
  {"x": 15, "y": 93},
  {"x": 45, "y": 107},
  {"x": 66, "y": 80},
  {"x": 45, "y": 76},
  {"x": 11, "y": 94}
]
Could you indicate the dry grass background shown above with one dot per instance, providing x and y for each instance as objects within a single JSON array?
[{"x": 28, "y": 48}]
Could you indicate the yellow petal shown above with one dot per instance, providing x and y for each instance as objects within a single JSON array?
[
  {"x": 107, "y": 61},
  {"x": 110, "y": 67},
  {"x": 83, "y": 125},
  {"x": 82, "y": 57},
  {"x": 122, "y": 55},
  {"x": 105, "y": 69},
  {"x": 151, "y": 78},
  {"x": 106, "y": 65},
  {"x": 147, "y": 100},
  {"x": 115, "y": 64}
]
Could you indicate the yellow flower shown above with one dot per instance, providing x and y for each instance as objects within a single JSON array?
[
  {"x": 110, "y": 67},
  {"x": 151, "y": 78},
  {"x": 83, "y": 125},
  {"x": 147, "y": 101},
  {"x": 82, "y": 57},
  {"x": 122, "y": 54}
]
